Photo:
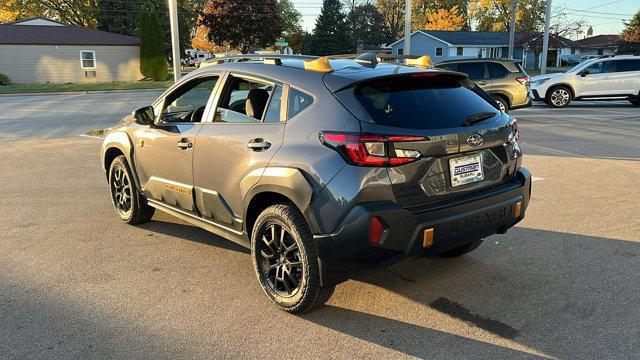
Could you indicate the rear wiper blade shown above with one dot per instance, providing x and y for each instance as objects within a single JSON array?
[{"x": 476, "y": 118}]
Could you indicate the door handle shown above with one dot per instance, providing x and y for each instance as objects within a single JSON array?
[
  {"x": 482, "y": 83},
  {"x": 185, "y": 144},
  {"x": 258, "y": 144}
]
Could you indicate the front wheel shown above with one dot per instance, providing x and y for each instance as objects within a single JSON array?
[
  {"x": 461, "y": 250},
  {"x": 127, "y": 201},
  {"x": 285, "y": 259},
  {"x": 558, "y": 97}
]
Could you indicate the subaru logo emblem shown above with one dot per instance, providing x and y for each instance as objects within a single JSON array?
[{"x": 475, "y": 140}]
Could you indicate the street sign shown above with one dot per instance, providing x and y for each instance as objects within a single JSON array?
[{"x": 281, "y": 42}]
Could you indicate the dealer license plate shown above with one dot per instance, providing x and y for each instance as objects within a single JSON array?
[{"x": 466, "y": 169}]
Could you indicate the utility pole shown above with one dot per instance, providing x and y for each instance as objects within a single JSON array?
[
  {"x": 407, "y": 27},
  {"x": 175, "y": 40},
  {"x": 545, "y": 40},
  {"x": 512, "y": 28}
]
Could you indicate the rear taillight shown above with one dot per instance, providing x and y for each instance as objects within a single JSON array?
[
  {"x": 375, "y": 230},
  {"x": 522, "y": 79},
  {"x": 371, "y": 149}
]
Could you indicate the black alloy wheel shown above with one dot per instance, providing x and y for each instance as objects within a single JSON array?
[
  {"x": 280, "y": 262},
  {"x": 121, "y": 190},
  {"x": 128, "y": 202}
]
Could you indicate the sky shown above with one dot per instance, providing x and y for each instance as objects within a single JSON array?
[{"x": 604, "y": 15}]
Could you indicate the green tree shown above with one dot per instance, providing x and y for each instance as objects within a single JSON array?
[
  {"x": 289, "y": 17},
  {"x": 393, "y": 15},
  {"x": 241, "y": 23},
  {"x": 120, "y": 17},
  {"x": 631, "y": 32},
  {"x": 331, "y": 34},
  {"x": 366, "y": 25},
  {"x": 153, "y": 60}
]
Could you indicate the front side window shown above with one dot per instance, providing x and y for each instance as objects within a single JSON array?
[
  {"x": 298, "y": 101},
  {"x": 243, "y": 101},
  {"x": 88, "y": 59},
  {"x": 187, "y": 103},
  {"x": 601, "y": 67},
  {"x": 627, "y": 65},
  {"x": 438, "y": 51}
]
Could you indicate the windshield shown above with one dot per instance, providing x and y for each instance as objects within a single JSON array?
[
  {"x": 576, "y": 68},
  {"x": 437, "y": 102}
]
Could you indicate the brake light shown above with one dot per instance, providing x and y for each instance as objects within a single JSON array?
[
  {"x": 522, "y": 79},
  {"x": 423, "y": 74},
  {"x": 371, "y": 149}
]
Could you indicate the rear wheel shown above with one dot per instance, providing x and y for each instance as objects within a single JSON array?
[
  {"x": 461, "y": 250},
  {"x": 127, "y": 201},
  {"x": 285, "y": 259},
  {"x": 502, "y": 103},
  {"x": 559, "y": 96}
]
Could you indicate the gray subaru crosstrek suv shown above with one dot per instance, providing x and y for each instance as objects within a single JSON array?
[{"x": 322, "y": 166}]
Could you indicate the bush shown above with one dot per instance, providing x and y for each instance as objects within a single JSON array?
[
  {"x": 153, "y": 61},
  {"x": 4, "y": 80}
]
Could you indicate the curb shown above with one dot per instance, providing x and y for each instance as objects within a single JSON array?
[{"x": 83, "y": 92}]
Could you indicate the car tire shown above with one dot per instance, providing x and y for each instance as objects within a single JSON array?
[
  {"x": 461, "y": 250},
  {"x": 128, "y": 202},
  {"x": 502, "y": 103},
  {"x": 559, "y": 97},
  {"x": 285, "y": 260}
]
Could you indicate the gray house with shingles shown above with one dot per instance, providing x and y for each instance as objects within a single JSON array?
[
  {"x": 40, "y": 50},
  {"x": 445, "y": 45}
]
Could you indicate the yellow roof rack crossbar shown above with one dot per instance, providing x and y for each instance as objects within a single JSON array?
[
  {"x": 422, "y": 61},
  {"x": 320, "y": 64}
]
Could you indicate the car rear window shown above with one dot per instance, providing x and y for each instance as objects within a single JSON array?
[{"x": 420, "y": 102}]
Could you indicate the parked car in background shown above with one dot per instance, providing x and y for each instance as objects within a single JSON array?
[
  {"x": 604, "y": 78},
  {"x": 570, "y": 60},
  {"x": 321, "y": 167},
  {"x": 505, "y": 80}
]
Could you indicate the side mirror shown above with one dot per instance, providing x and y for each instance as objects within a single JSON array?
[
  {"x": 584, "y": 72},
  {"x": 144, "y": 116}
]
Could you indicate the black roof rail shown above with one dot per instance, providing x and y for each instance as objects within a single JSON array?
[{"x": 274, "y": 59}]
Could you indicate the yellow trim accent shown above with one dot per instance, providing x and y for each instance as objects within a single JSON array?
[
  {"x": 518, "y": 209},
  {"x": 320, "y": 64},
  {"x": 422, "y": 61}
]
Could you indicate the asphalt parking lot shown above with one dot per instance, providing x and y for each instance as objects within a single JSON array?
[{"x": 76, "y": 283}]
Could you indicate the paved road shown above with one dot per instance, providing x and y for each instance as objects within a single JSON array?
[{"x": 76, "y": 283}]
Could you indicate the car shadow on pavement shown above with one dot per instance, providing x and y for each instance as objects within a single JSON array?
[{"x": 561, "y": 294}]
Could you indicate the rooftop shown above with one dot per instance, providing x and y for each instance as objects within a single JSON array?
[{"x": 20, "y": 34}]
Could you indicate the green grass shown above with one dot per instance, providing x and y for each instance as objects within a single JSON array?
[{"x": 46, "y": 88}]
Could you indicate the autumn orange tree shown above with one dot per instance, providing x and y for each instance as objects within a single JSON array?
[
  {"x": 631, "y": 32},
  {"x": 443, "y": 19}
]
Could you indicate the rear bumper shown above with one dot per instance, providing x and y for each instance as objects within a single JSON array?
[
  {"x": 535, "y": 95},
  {"x": 454, "y": 224},
  {"x": 525, "y": 105}
]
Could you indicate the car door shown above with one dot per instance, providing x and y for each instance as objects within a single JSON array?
[
  {"x": 477, "y": 72},
  {"x": 241, "y": 135},
  {"x": 163, "y": 152},
  {"x": 595, "y": 80},
  {"x": 625, "y": 79}
]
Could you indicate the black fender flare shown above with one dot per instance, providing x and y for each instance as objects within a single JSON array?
[{"x": 119, "y": 140}]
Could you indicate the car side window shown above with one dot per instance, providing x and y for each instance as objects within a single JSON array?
[
  {"x": 275, "y": 104},
  {"x": 600, "y": 67},
  {"x": 451, "y": 67},
  {"x": 627, "y": 65},
  {"x": 497, "y": 70},
  {"x": 475, "y": 70},
  {"x": 243, "y": 101},
  {"x": 298, "y": 101},
  {"x": 187, "y": 103}
]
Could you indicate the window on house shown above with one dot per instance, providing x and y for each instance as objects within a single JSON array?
[
  {"x": 600, "y": 52},
  {"x": 459, "y": 51},
  {"x": 88, "y": 59},
  {"x": 438, "y": 51},
  {"x": 400, "y": 51}
]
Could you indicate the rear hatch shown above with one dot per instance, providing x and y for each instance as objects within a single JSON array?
[{"x": 462, "y": 139}]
